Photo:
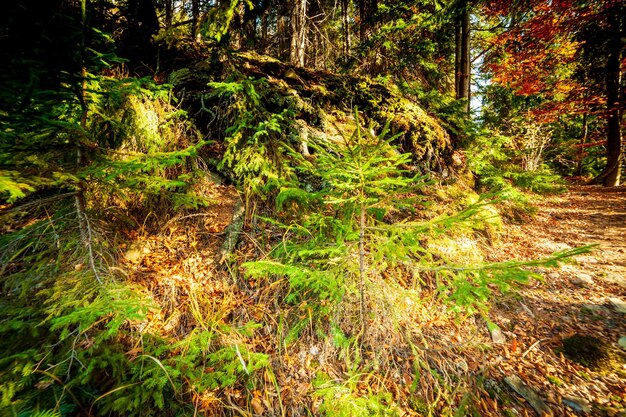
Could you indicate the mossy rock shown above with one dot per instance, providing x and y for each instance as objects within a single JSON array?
[
  {"x": 317, "y": 97},
  {"x": 421, "y": 134},
  {"x": 195, "y": 77}
]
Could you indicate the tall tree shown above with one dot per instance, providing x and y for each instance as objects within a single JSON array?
[
  {"x": 615, "y": 33},
  {"x": 537, "y": 59},
  {"x": 195, "y": 18},
  {"x": 298, "y": 32},
  {"x": 462, "y": 80},
  {"x": 367, "y": 11},
  {"x": 345, "y": 23}
]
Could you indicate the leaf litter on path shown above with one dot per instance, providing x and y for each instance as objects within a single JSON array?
[{"x": 581, "y": 298}]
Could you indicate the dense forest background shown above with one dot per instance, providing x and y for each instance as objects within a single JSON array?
[{"x": 307, "y": 171}]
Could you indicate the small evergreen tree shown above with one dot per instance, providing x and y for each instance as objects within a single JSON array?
[
  {"x": 257, "y": 146},
  {"x": 362, "y": 225}
]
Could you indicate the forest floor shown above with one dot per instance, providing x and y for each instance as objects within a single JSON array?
[
  {"x": 583, "y": 299},
  {"x": 532, "y": 356}
]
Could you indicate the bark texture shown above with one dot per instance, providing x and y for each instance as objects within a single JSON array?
[
  {"x": 610, "y": 177},
  {"x": 298, "y": 33},
  {"x": 462, "y": 58}
]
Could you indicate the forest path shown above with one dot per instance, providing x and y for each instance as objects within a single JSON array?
[
  {"x": 583, "y": 215},
  {"x": 579, "y": 298}
]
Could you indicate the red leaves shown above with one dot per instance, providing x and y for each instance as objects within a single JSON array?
[{"x": 537, "y": 56}]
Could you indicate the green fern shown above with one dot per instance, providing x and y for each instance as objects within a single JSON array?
[{"x": 341, "y": 400}]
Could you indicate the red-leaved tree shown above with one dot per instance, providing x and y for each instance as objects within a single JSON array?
[{"x": 548, "y": 51}]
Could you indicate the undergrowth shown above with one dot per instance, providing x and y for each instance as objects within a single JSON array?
[
  {"x": 350, "y": 294},
  {"x": 77, "y": 335},
  {"x": 358, "y": 298},
  {"x": 363, "y": 280},
  {"x": 499, "y": 168},
  {"x": 257, "y": 150}
]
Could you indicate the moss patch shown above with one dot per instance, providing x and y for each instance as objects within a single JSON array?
[
  {"x": 588, "y": 351},
  {"x": 322, "y": 103}
]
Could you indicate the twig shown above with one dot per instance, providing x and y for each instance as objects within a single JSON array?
[
  {"x": 243, "y": 363},
  {"x": 241, "y": 411},
  {"x": 532, "y": 346},
  {"x": 255, "y": 243}
]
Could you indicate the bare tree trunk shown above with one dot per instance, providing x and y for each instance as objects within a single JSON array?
[
  {"x": 465, "y": 64},
  {"x": 298, "y": 32},
  {"x": 195, "y": 18},
  {"x": 610, "y": 177},
  {"x": 345, "y": 19},
  {"x": 462, "y": 62},
  {"x": 283, "y": 35},
  {"x": 583, "y": 141},
  {"x": 303, "y": 29},
  {"x": 169, "y": 13},
  {"x": 614, "y": 134},
  {"x": 458, "y": 41},
  {"x": 362, "y": 20},
  {"x": 367, "y": 10},
  {"x": 293, "y": 49},
  {"x": 248, "y": 24},
  {"x": 316, "y": 50},
  {"x": 264, "y": 33}
]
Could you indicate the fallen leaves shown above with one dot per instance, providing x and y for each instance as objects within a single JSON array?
[
  {"x": 562, "y": 306},
  {"x": 179, "y": 264}
]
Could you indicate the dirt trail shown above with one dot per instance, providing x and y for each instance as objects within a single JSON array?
[
  {"x": 581, "y": 298},
  {"x": 584, "y": 215}
]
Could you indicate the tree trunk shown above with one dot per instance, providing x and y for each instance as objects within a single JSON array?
[
  {"x": 195, "y": 18},
  {"x": 464, "y": 86},
  {"x": 79, "y": 198},
  {"x": 169, "y": 13},
  {"x": 298, "y": 32},
  {"x": 283, "y": 35},
  {"x": 362, "y": 267},
  {"x": 610, "y": 177},
  {"x": 264, "y": 33},
  {"x": 458, "y": 42},
  {"x": 248, "y": 27},
  {"x": 362, "y": 20},
  {"x": 583, "y": 141},
  {"x": 345, "y": 19},
  {"x": 293, "y": 49},
  {"x": 367, "y": 10}
]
